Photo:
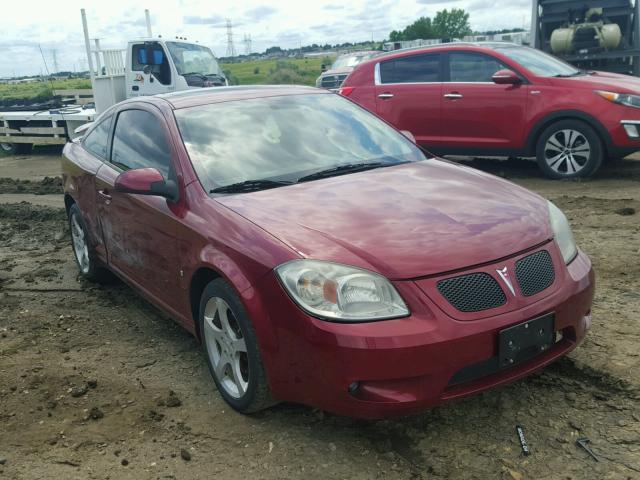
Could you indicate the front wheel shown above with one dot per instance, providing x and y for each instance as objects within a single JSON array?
[
  {"x": 569, "y": 149},
  {"x": 231, "y": 348}
]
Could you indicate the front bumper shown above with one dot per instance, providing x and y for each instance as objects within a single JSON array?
[{"x": 404, "y": 366}]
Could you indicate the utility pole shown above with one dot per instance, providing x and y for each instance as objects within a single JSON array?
[
  {"x": 231, "y": 49},
  {"x": 55, "y": 61}
]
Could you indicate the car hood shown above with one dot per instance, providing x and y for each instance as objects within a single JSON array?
[
  {"x": 603, "y": 81},
  {"x": 405, "y": 221}
]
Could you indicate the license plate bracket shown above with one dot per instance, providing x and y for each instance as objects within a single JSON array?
[{"x": 524, "y": 341}]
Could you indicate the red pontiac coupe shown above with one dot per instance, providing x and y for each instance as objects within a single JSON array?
[{"x": 318, "y": 255}]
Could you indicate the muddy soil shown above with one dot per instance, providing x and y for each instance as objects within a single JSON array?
[
  {"x": 96, "y": 383},
  {"x": 46, "y": 186}
]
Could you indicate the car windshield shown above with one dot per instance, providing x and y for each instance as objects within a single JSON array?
[
  {"x": 286, "y": 138},
  {"x": 539, "y": 63},
  {"x": 191, "y": 58},
  {"x": 350, "y": 60}
]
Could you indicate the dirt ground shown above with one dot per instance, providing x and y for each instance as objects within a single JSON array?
[{"x": 96, "y": 383}]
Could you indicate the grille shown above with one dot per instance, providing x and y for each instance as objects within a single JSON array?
[
  {"x": 535, "y": 273},
  {"x": 472, "y": 293},
  {"x": 332, "y": 81}
]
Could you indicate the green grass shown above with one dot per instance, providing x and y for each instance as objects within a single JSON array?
[
  {"x": 302, "y": 71},
  {"x": 39, "y": 90}
]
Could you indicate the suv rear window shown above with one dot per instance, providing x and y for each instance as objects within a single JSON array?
[{"x": 413, "y": 69}]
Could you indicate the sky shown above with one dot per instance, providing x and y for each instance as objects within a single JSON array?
[{"x": 31, "y": 30}]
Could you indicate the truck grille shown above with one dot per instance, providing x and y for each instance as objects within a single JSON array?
[
  {"x": 535, "y": 273},
  {"x": 472, "y": 293},
  {"x": 332, "y": 81}
]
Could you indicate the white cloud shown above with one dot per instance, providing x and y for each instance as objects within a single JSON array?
[{"x": 32, "y": 24}]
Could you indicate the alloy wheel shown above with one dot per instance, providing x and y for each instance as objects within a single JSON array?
[
  {"x": 7, "y": 147},
  {"x": 80, "y": 247},
  {"x": 567, "y": 151},
  {"x": 226, "y": 347}
]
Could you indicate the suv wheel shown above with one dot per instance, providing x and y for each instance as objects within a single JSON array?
[
  {"x": 231, "y": 348},
  {"x": 569, "y": 149}
]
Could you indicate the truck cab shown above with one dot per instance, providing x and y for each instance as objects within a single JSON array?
[
  {"x": 150, "y": 66},
  {"x": 159, "y": 66}
]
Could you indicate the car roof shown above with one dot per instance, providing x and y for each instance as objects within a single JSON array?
[
  {"x": 444, "y": 46},
  {"x": 204, "y": 96}
]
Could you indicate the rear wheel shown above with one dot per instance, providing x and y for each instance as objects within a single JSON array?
[
  {"x": 8, "y": 148},
  {"x": 82, "y": 250},
  {"x": 569, "y": 149},
  {"x": 231, "y": 347}
]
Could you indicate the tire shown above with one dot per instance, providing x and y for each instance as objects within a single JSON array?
[
  {"x": 231, "y": 349},
  {"x": 83, "y": 251},
  {"x": 569, "y": 149},
  {"x": 8, "y": 148}
]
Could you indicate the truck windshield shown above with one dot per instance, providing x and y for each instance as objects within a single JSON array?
[
  {"x": 539, "y": 63},
  {"x": 191, "y": 58},
  {"x": 350, "y": 60}
]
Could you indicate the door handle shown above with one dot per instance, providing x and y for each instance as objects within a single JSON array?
[
  {"x": 453, "y": 96},
  {"x": 105, "y": 196},
  {"x": 385, "y": 96}
]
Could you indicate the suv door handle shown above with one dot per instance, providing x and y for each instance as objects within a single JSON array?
[
  {"x": 453, "y": 96},
  {"x": 105, "y": 196},
  {"x": 385, "y": 96}
]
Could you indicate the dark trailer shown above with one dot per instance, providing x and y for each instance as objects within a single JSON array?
[{"x": 590, "y": 34}]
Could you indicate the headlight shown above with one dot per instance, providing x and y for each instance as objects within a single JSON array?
[
  {"x": 339, "y": 292},
  {"x": 562, "y": 233},
  {"x": 621, "y": 98}
]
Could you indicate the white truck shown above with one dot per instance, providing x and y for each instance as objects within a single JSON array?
[{"x": 148, "y": 66}]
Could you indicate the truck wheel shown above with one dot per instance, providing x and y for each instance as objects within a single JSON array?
[
  {"x": 8, "y": 148},
  {"x": 83, "y": 250},
  {"x": 231, "y": 348},
  {"x": 569, "y": 149}
]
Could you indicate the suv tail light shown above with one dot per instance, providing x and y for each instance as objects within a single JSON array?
[{"x": 345, "y": 91}]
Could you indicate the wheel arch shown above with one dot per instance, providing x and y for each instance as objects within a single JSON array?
[
  {"x": 68, "y": 202},
  {"x": 199, "y": 280},
  {"x": 542, "y": 124}
]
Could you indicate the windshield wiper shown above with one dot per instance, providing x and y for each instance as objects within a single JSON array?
[
  {"x": 250, "y": 186},
  {"x": 579, "y": 73},
  {"x": 341, "y": 170}
]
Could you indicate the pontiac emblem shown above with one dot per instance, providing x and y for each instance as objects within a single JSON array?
[{"x": 504, "y": 275}]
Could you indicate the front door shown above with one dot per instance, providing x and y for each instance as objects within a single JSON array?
[
  {"x": 477, "y": 113},
  {"x": 149, "y": 72},
  {"x": 408, "y": 95},
  {"x": 139, "y": 231}
]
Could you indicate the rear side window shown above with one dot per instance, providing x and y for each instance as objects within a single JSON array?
[
  {"x": 139, "y": 141},
  {"x": 97, "y": 139},
  {"x": 413, "y": 69},
  {"x": 472, "y": 67}
]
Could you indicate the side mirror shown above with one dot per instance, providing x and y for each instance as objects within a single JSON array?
[
  {"x": 506, "y": 77},
  {"x": 409, "y": 135},
  {"x": 146, "y": 181},
  {"x": 323, "y": 68},
  {"x": 146, "y": 69}
]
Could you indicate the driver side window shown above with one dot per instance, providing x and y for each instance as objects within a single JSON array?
[
  {"x": 139, "y": 141},
  {"x": 473, "y": 67},
  {"x": 151, "y": 54}
]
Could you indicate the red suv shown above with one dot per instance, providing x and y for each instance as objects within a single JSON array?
[{"x": 502, "y": 99}]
